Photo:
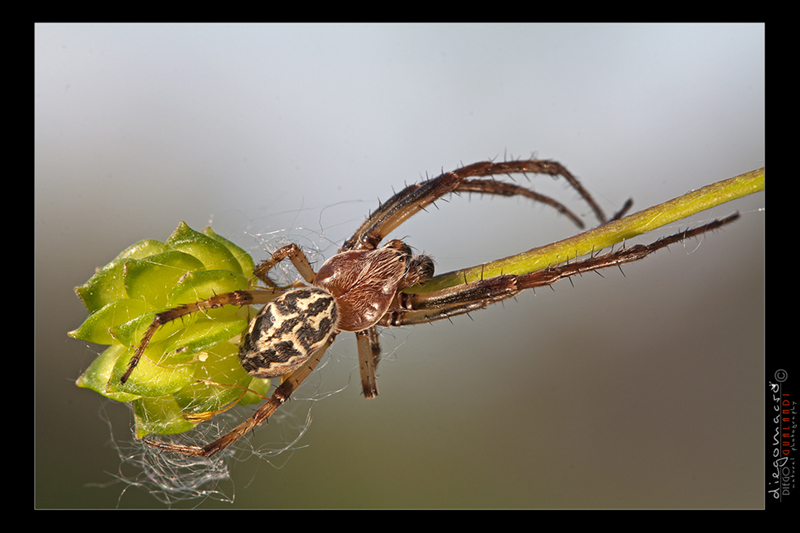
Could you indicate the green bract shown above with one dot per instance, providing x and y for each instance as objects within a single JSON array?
[{"x": 190, "y": 369}]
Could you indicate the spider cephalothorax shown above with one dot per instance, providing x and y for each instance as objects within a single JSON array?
[
  {"x": 361, "y": 288},
  {"x": 365, "y": 282}
]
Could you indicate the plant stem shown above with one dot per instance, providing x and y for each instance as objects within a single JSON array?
[{"x": 606, "y": 235}]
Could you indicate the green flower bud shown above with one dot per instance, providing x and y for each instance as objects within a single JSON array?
[{"x": 190, "y": 369}]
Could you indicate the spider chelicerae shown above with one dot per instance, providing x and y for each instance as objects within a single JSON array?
[{"x": 363, "y": 287}]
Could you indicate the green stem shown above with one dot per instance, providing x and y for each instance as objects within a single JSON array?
[{"x": 607, "y": 234}]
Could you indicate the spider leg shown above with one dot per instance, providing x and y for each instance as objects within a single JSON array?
[
  {"x": 412, "y": 309},
  {"x": 419, "y": 270},
  {"x": 416, "y": 197},
  {"x": 240, "y": 298},
  {"x": 375, "y": 345},
  {"x": 421, "y": 308},
  {"x": 368, "y": 360},
  {"x": 295, "y": 255},
  {"x": 282, "y": 393},
  {"x": 502, "y": 188},
  {"x": 623, "y": 210}
]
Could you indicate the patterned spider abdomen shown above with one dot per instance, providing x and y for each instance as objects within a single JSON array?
[{"x": 287, "y": 331}]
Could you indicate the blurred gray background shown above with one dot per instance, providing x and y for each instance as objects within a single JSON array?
[{"x": 643, "y": 390}]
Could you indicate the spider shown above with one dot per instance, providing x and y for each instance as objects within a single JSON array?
[{"x": 362, "y": 287}]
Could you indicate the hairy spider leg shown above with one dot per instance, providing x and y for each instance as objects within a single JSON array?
[
  {"x": 501, "y": 188},
  {"x": 418, "y": 196},
  {"x": 623, "y": 210},
  {"x": 282, "y": 393},
  {"x": 240, "y": 298},
  {"x": 295, "y": 255},
  {"x": 368, "y": 360},
  {"x": 419, "y": 270},
  {"x": 254, "y": 296},
  {"x": 428, "y": 307}
]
